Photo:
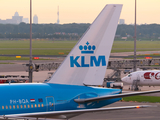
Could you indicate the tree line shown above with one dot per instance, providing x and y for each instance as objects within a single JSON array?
[{"x": 73, "y": 31}]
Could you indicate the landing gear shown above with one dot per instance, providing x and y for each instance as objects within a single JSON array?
[{"x": 134, "y": 86}]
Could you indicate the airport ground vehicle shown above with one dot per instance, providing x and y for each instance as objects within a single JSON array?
[
  {"x": 112, "y": 84},
  {"x": 13, "y": 79}
]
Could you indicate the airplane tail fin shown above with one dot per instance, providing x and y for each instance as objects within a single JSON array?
[{"x": 87, "y": 62}]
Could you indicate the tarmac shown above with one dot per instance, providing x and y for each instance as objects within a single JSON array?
[{"x": 151, "y": 113}]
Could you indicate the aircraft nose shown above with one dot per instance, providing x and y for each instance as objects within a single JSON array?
[{"x": 124, "y": 79}]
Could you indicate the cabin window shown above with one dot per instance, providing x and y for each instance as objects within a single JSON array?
[
  {"x": 35, "y": 105},
  {"x": 10, "y": 107},
  {"x": 24, "y": 106},
  {"x": 17, "y": 106},
  {"x": 13, "y": 106},
  {"x": 6, "y": 107},
  {"x": 38, "y": 105},
  {"x": 31, "y": 106},
  {"x": 21, "y": 106},
  {"x": 2, "y": 107},
  {"x": 42, "y": 105},
  {"x": 28, "y": 106}
]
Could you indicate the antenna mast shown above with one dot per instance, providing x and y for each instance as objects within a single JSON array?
[{"x": 58, "y": 16}]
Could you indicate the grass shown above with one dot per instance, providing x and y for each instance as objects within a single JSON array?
[
  {"x": 7, "y": 63},
  {"x": 34, "y": 52},
  {"x": 36, "y": 44},
  {"x": 128, "y": 46},
  {"x": 42, "y": 47},
  {"x": 48, "y": 47},
  {"x": 151, "y": 99}
]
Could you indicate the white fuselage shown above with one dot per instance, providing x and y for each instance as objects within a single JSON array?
[{"x": 144, "y": 78}]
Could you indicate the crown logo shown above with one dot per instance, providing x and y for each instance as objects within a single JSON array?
[{"x": 87, "y": 49}]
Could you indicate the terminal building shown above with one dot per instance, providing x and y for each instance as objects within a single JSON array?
[
  {"x": 16, "y": 19},
  {"x": 35, "y": 19},
  {"x": 121, "y": 21},
  {"x": 25, "y": 20}
]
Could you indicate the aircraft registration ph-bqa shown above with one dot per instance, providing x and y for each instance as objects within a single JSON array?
[
  {"x": 70, "y": 92},
  {"x": 144, "y": 78}
]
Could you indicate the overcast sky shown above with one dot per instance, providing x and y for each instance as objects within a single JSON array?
[{"x": 80, "y": 11}]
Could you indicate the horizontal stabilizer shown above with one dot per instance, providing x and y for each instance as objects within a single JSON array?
[{"x": 114, "y": 96}]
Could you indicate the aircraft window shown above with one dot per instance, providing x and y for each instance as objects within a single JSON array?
[
  {"x": 32, "y": 106},
  {"x": 17, "y": 106},
  {"x": 14, "y": 106},
  {"x": 28, "y": 106},
  {"x": 129, "y": 75},
  {"x": 38, "y": 105},
  {"x": 10, "y": 107},
  {"x": 24, "y": 106},
  {"x": 42, "y": 105},
  {"x": 6, "y": 107},
  {"x": 2, "y": 107},
  {"x": 21, "y": 106},
  {"x": 35, "y": 105}
]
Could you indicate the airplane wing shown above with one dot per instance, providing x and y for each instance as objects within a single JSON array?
[
  {"x": 114, "y": 96},
  {"x": 66, "y": 114}
]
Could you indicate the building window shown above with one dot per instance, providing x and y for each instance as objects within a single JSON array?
[
  {"x": 31, "y": 106},
  {"x": 10, "y": 107},
  {"x": 17, "y": 106},
  {"x": 35, "y": 105},
  {"x": 38, "y": 105},
  {"x": 24, "y": 106},
  {"x": 2, "y": 107},
  {"x": 13, "y": 106},
  {"x": 28, "y": 106},
  {"x": 21, "y": 106},
  {"x": 42, "y": 105},
  {"x": 6, "y": 107}
]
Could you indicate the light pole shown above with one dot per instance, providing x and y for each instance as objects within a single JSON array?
[
  {"x": 135, "y": 37},
  {"x": 30, "y": 61}
]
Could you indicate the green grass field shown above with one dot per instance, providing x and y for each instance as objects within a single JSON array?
[
  {"x": 151, "y": 99},
  {"x": 128, "y": 46},
  {"x": 47, "y": 47}
]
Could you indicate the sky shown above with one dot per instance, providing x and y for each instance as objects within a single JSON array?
[{"x": 80, "y": 11}]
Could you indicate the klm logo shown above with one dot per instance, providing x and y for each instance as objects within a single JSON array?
[
  {"x": 93, "y": 61},
  {"x": 87, "y": 49}
]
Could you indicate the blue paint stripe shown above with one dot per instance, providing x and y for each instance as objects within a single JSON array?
[{"x": 87, "y": 52}]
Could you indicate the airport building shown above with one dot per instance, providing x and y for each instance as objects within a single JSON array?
[
  {"x": 16, "y": 19},
  {"x": 8, "y": 21},
  {"x": 35, "y": 19},
  {"x": 25, "y": 20},
  {"x": 121, "y": 21}
]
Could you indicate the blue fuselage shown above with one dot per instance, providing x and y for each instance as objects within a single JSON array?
[{"x": 42, "y": 97}]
